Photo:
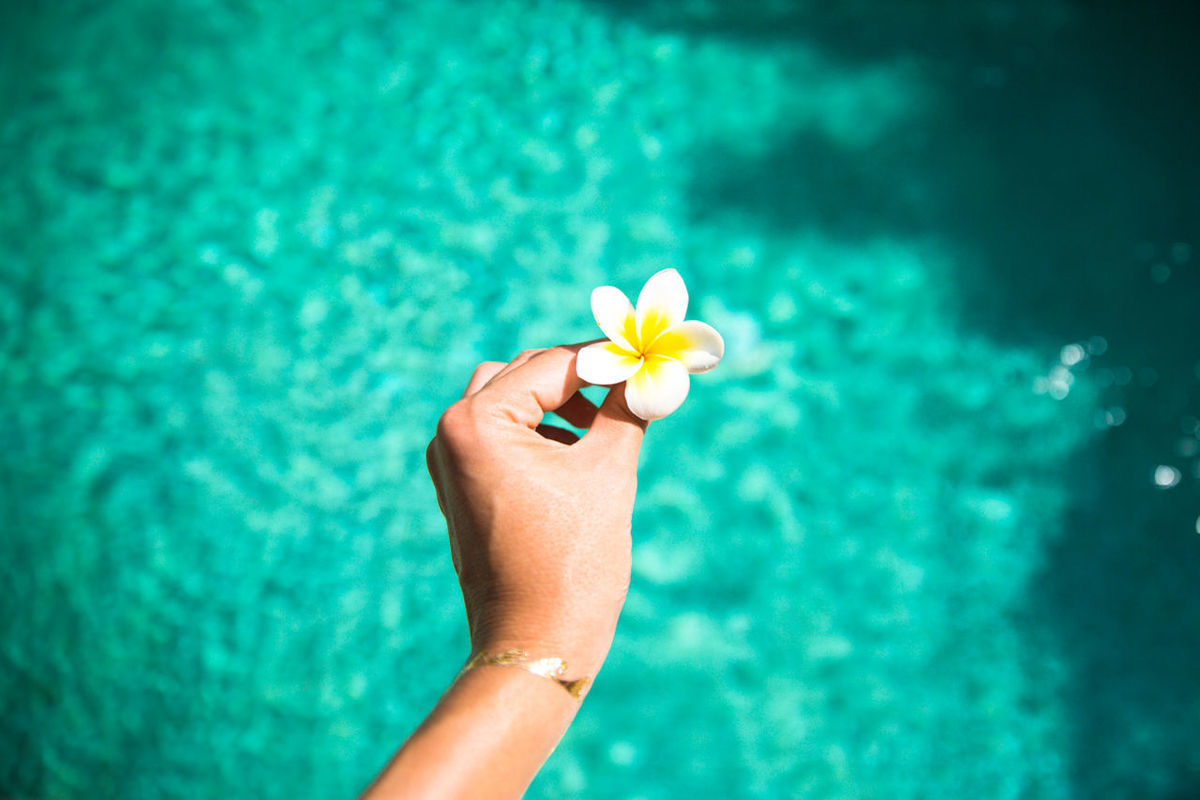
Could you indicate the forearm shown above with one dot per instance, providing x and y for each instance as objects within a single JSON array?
[{"x": 488, "y": 736}]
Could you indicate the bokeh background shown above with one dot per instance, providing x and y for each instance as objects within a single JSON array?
[{"x": 930, "y": 530}]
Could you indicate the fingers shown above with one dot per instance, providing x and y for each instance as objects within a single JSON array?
[
  {"x": 615, "y": 427},
  {"x": 533, "y": 384},
  {"x": 521, "y": 358},
  {"x": 483, "y": 373},
  {"x": 488, "y": 370}
]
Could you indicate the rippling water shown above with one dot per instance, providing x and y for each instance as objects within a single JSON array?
[{"x": 929, "y": 530}]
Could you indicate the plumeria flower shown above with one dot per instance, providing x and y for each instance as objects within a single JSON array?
[{"x": 651, "y": 347}]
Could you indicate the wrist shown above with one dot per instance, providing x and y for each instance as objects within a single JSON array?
[
  {"x": 550, "y": 668},
  {"x": 576, "y": 659},
  {"x": 581, "y": 640}
]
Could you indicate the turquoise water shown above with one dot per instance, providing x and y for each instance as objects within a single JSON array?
[{"x": 930, "y": 530}]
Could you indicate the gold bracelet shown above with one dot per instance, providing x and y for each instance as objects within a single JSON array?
[{"x": 552, "y": 667}]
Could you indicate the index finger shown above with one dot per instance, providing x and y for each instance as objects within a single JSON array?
[{"x": 528, "y": 391}]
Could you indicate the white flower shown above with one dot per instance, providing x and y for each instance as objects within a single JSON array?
[{"x": 652, "y": 347}]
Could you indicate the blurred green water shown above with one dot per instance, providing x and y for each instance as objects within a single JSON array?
[{"x": 896, "y": 546}]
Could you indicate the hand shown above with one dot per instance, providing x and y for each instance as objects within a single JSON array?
[
  {"x": 539, "y": 520},
  {"x": 539, "y": 531}
]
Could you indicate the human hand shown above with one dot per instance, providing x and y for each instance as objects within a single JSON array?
[{"x": 539, "y": 520}]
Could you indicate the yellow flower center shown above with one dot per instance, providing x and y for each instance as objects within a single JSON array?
[{"x": 652, "y": 337}]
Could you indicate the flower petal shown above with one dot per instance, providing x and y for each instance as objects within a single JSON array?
[
  {"x": 606, "y": 363},
  {"x": 615, "y": 316},
  {"x": 658, "y": 388},
  {"x": 662, "y": 303},
  {"x": 695, "y": 343}
]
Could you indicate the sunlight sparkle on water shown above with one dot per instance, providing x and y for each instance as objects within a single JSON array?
[
  {"x": 1072, "y": 354},
  {"x": 1166, "y": 477}
]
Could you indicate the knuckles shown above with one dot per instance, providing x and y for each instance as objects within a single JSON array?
[
  {"x": 454, "y": 422},
  {"x": 461, "y": 427},
  {"x": 487, "y": 369},
  {"x": 525, "y": 355}
]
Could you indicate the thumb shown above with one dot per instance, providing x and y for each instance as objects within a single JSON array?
[{"x": 615, "y": 426}]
